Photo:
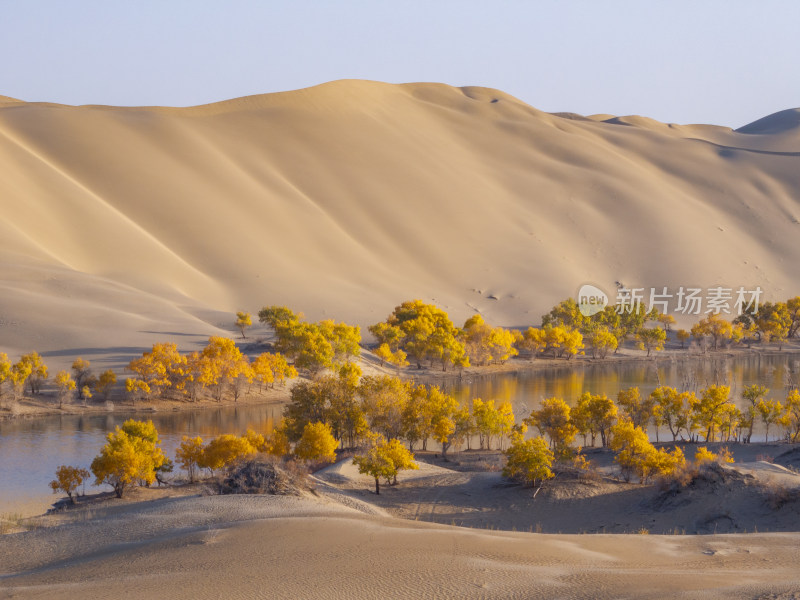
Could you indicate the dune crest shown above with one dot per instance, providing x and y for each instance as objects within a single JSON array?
[{"x": 344, "y": 199}]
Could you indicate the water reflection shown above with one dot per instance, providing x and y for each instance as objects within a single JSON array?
[
  {"x": 31, "y": 449},
  {"x": 526, "y": 389}
]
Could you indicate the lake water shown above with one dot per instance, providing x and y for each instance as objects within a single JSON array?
[{"x": 31, "y": 449}]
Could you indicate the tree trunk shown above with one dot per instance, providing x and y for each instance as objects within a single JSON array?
[{"x": 377, "y": 486}]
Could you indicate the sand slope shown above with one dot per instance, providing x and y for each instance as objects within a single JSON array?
[
  {"x": 280, "y": 547},
  {"x": 124, "y": 224}
]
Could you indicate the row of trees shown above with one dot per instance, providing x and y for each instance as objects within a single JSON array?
[
  {"x": 356, "y": 407},
  {"x": 30, "y": 372},
  {"x": 375, "y": 413},
  {"x": 312, "y": 346},
  {"x": 425, "y": 333},
  {"x": 132, "y": 455},
  {"x": 710, "y": 415},
  {"x": 219, "y": 369}
]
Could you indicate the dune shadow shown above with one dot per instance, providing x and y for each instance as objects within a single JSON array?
[
  {"x": 117, "y": 350},
  {"x": 728, "y": 151}
]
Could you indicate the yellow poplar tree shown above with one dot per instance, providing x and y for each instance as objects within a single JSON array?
[
  {"x": 131, "y": 454},
  {"x": 64, "y": 385},
  {"x": 553, "y": 420},
  {"x": 37, "y": 371},
  {"x": 155, "y": 368},
  {"x": 316, "y": 443},
  {"x": 243, "y": 321},
  {"x": 105, "y": 382},
  {"x": 223, "y": 450},
  {"x": 68, "y": 479},
  {"x": 5, "y": 370},
  {"x": 189, "y": 455},
  {"x": 529, "y": 460}
]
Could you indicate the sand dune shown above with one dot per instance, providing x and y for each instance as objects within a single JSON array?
[
  {"x": 284, "y": 547},
  {"x": 122, "y": 225}
]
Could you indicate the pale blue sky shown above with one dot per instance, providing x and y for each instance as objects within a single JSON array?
[{"x": 723, "y": 62}]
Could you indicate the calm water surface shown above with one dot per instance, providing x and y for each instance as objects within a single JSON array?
[{"x": 31, "y": 449}]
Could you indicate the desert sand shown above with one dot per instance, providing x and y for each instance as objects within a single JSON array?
[
  {"x": 344, "y": 542},
  {"x": 127, "y": 226}
]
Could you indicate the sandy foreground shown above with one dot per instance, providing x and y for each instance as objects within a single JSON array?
[
  {"x": 345, "y": 542},
  {"x": 285, "y": 547}
]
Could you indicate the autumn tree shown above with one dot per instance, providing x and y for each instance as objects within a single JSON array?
[
  {"x": 18, "y": 375},
  {"x": 666, "y": 320},
  {"x": 683, "y": 336},
  {"x": 715, "y": 327},
  {"x": 402, "y": 459},
  {"x": 317, "y": 443},
  {"x": 64, "y": 385},
  {"x": 222, "y": 364},
  {"x": 553, "y": 420},
  {"x": 793, "y": 308},
  {"x": 752, "y": 393},
  {"x": 529, "y": 460},
  {"x": 532, "y": 341},
  {"x": 224, "y": 450},
  {"x": 487, "y": 421},
  {"x": 154, "y": 369},
  {"x": 312, "y": 346},
  {"x": 771, "y": 412},
  {"x": 5, "y": 371},
  {"x": 601, "y": 341},
  {"x": 427, "y": 333},
  {"x": 384, "y": 400},
  {"x": 672, "y": 408},
  {"x": 593, "y": 415},
  {"x": 773, "y": 322},
  {"x": 506, "y": 421},
  {"x": 132, "y": 453},
  {"x": 243, "y": 321},
  {"x": 81, "y": 372},
  {"x": 37, "y": 371},
  {"x": 792, "y": 416},
  {"x": 639, "y": 410},
  {"x": 651, "y": 339},
  {"x": 387, "y": 335},
  {"x": 396, "y": 357},
  {"x": 309, "y": 403},
  {"x": 704, "y": 456},
  {"x": 277, "y": 441},
  {"x": 68, "y": 480},
  {"x": 383, "y": 460},
  {"x": 105, "y": 383},
  {"x": 448, "y": 419},
  {"x": 485, "y": 344},
  {"x": 637, "y": 456},
  {"x": 189, "y": 455},
  {"x": 708, "y": 409},
  {"x": 562, "y": 341},
  {"x": 566, "y": 313}
]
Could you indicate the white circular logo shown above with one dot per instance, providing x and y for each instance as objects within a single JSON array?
[{"x": 591, "y": 300}]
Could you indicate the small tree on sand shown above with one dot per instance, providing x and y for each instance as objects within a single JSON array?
[
  {"x": 529, "y": 460},
  {"x": 243, "y": 321},
  {"x": 68, "y": 479},
  {"x": 384, "y": 460}
]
